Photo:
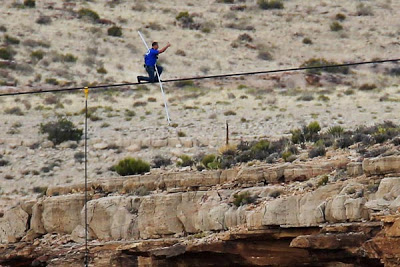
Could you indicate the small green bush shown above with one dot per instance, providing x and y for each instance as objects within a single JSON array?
[
  {"x": 270, "y": 4},
  {"x": 69, "y": 58},
  {"x": 88, "y": 14},
  {"x": 40, "y": 190},
  {"x": 321, "y": 62},
  {"x": 30, "y": 3},
  {"x": 102, "y": 70},
  {"x": 229, "y": 113},
  {"x": 307, "y": 41},
  {"x": 323, "y": 181},
  {"x": 11, "y": 40},
  {"x": 242, "y": 199},
  {"x": 185, "y": 161},
  {"x": 336, "y": 26},
  {"x": 313, "y": 127},
  {"x": 286, "y": 156},
  {"x": 181, "y": 134},
  {"x": 14, "y": 111},
  {"x": 38, "y": 54},
  {"x": 115, "y": 31},
  {"x": 60, "y": 131},
  {"x": 336, "y": 131},
  {"x": 131, "y": 166},
  {"x": 340, "y": 17},
  {"x": 52, "y": 81},
  {"x": 367, "y": 87},
  {"x": 208, "y": 159},
  {"x": 6, "y": 53}
]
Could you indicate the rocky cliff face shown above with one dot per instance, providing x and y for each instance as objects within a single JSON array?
[{"x": 319, "y": 213}]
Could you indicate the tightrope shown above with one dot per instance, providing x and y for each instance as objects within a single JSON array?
[{"x": 105, "y": 86}]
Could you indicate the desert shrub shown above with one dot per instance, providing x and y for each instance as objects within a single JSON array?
[
  {"x": 11, "y": 40},
  {"x": 264, "y": 53},
  {"x": 226, "y": 1},
  {"x": 180, "y": 52},
  {"x": 38, "y": 54},
  {"x": 185, "y": 161},
  {"x": 345, "y": 141},
  {"x": 114, "y": 31},
  {"x": 320, "y": 62},
  {"x": 131, "y": 166},
  {"x": 340, "y": 17},
  {"x": 183, "y": 84},
  {"x": 181, "y": 134},
  {"x": 30, "y": 3},
  {"x": 270, "y": 4},
  {"x": 229, "y": 113},
  {"x": 69, "y": 58},
  {"x": 88, "y": 14},
  {"x": 363, "y": 10},
  {"x": 52, "y": 81},
  {"x": 6, "y": 53},
  {"x": 4, "y": 162},
  {"x": 316, "y": 151},
  {"x": 101, "y": 70},
  {"x": 335, "y": 131},
  {"x": 375, "y": 152},
  {"x": 51, "y": 99},
  {"x": 336, "y": 26},
  {"x": 14, "y": 111},
  {"x": 185, "y": 19},
  {"x": 323, "y": 181},
  {"x": 141, "y": 191},
  {"x": 244, "y": 37},
  {"x": 207, "y": 161},
  {"x": 60, "y": 131},
  {"x": 242, "y": 199},
  {"x": 297, "y": 136},
  {"x": 323, "y": 98},
  {"x": 287, "y": 155},
  {"x": 306, "y": 97},
  {"x": 394, "y": 72},
  {"x": 160, "y": 161},
  {"x": 367, "y": 87},
  {"x": 275, "y": 193},
  {"x": 44, "y": 20},
  {"x": 40, "y": 190},
  {"x": 79, "y": 156},
  {"x": 307, "y": 41},
  {"x": 3, "y": 28},
  {"x": 151, "y": 99}
]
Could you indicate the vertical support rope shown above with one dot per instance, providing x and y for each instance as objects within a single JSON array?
[{"x": 86, "y": 90}]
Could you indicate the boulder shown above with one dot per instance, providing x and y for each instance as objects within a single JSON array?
[
  {"x": 298, "y": 210},
  {"x": 13, "y": 225},
  {"x": 384, "y": 165},
  {"x": 112, "y": 218},
  {"x": 157, "y": 216},
  {"x": 389, "y": 188},
  {"x": 354, "y": 169},
  {"x": 61, "y": 214}
]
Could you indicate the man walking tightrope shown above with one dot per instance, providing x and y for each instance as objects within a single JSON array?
[{"x": 150, "y": 60}]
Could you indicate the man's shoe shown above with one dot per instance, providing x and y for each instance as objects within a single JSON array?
[{"x": 138, "y": 79}]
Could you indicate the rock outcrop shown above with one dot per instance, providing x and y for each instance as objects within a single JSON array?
[{"x": 276, "y": 215}]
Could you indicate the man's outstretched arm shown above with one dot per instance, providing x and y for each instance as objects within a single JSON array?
[{"x": 162, "y": 50}]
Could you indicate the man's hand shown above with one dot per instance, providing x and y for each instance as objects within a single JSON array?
[{"x": 162, "y": 50}]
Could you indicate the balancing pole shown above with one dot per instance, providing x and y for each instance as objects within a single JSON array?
[{"x": 159, "y": 81}]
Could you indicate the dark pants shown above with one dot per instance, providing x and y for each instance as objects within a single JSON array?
[{"x": 151, "y": 70}]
